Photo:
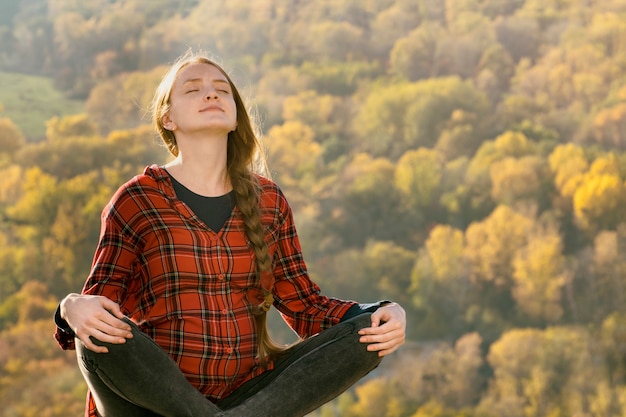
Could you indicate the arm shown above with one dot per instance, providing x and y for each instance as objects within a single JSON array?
[
  {"x": 297, "y": 297},
  {"x": 308, "y": 312},
  {"x": 96, "y": 313}
]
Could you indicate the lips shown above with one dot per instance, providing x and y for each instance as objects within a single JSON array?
[{"x": 211, "y": 108}]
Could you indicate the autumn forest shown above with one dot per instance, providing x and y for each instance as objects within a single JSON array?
[{"x": 465, "y": 158}]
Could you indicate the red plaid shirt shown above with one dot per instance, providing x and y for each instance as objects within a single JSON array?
[{"x": 191, "y": 289}]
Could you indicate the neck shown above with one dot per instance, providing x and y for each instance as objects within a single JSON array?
[{"x": 202, "y": 167}]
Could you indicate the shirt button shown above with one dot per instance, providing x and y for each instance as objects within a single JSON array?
[
  {"x": 224, "y": 311},
  {"x": 229, "y": 350},
  {"x": 221, "y": 277}
]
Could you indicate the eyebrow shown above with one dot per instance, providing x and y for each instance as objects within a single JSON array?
[{"x": 195, "y": 80}]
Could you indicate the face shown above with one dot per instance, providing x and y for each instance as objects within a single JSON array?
[{"x": 201, "y": 101}]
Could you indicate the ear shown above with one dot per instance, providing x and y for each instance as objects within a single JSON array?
[{"x": 167, "y": 122}]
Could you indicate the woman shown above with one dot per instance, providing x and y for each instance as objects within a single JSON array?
[{"x": 171, "y": 320}]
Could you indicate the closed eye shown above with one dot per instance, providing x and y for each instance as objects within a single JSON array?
[{"x": 191, "y": 91}]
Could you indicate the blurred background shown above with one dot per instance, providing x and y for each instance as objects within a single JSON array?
[{"x": 466, "y": 158}]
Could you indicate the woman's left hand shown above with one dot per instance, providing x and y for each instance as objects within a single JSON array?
[{"x": 388, "y": 330}]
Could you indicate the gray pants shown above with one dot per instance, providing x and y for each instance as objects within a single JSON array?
[{"x": 138, "y": 378}]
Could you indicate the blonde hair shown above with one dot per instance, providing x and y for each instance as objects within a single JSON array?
[{"x": 245, "y": 158}]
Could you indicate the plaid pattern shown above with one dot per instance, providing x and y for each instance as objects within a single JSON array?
[{"x": 192, "y": 289}]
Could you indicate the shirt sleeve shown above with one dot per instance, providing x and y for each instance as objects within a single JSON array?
[
  {"x": 112, "y": 269},
  {"x": 359, "y": 309},
  {"x": 297, "y": 297}
]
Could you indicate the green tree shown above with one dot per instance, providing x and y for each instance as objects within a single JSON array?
[
  {"x": 412, "y": 56},
  {"x": 418, "y": 175},
  {"x": 403, "y": 116}
]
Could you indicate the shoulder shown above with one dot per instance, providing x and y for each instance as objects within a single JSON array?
[
  {"x": 271, "y": 194},
  {"x": 140, "y": 193}
]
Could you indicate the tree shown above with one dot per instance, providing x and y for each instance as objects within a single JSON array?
[
  {"x": 514, "y": 180},
  {"x": 609, "y": 125},
  {"x": 364, "y": 204},
  {"x": 122, "y": 102},
  {"x": 440, "y": 284},
  {"x": 598, "y": 202},
  {"x": 541, "y": 373},
  {"x": 413, "y": 56},
  {"x": 296, "y": 157},
  {"x": 418, "y": 175},
  {"x": 403, "y": 116},
  {"x": 568, "y": 163},
  {"x": 494, "y": 72},
  {"x": 519, "y": 36},
  {"x": 453, "y": 374},
  {"x": 60, "y": 128},
  {"x": 540, "y": 276},
  {"x": 392, "y": 24},
  {"x": 11, "y": 137}
]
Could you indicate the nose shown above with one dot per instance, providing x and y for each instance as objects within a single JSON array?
[{"x": 211, "y": 93}]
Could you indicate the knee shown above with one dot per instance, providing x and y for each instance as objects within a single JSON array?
[{"x": 360, "y": 348}]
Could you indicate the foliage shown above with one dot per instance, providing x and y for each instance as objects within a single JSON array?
[{"x": 465, "y": 158}]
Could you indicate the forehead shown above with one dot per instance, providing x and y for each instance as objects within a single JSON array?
[{"x": 199, "y": 72}]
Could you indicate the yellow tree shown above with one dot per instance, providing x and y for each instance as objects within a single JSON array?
[
  {"x": 453, "y": 375},
  {"x": 599, "y": 201},
  {"x": 514, "y": 179},
  {"x": 609, "y": 126},
  {"x": 60, "y": 128},
  {"x": 440, "y": 284},
  {"x": 568, "y": 163},
  {"x": 492, "y": 245},
  {"x": 539, "y": 276},
  {"x": 11, "y": 138},
  {"x": 541, "y": 373},
  {"x": 296, "y": 158}
]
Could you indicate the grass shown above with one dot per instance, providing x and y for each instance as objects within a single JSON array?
[{"x": 29, "y": 101}]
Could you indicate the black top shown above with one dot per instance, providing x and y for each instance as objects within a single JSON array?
[{"x": 213, "y": 211}]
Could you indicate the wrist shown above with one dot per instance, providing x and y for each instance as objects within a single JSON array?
[{"x": 65, "y": 303}]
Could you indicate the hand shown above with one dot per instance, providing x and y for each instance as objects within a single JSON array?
[
  {"x": 97, "y": 317},
  {"x": 388, "y": 331}
]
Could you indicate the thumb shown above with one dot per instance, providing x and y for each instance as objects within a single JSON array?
[{"x": 376, "y": 319}]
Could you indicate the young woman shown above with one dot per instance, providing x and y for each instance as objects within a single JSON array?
[{"x": 191, "y": 256}]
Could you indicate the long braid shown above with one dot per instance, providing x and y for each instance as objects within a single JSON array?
[{"x": 247, "y": 195}]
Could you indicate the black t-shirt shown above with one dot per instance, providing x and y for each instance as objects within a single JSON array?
[{"x": 213, "y": 211}]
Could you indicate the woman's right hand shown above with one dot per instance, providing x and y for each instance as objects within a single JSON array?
[{"x": 95, "y": 316}]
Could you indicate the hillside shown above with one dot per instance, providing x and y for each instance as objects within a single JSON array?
[
  {"x": 464, "y": 158},
  {"x": 30, "y": 100}
]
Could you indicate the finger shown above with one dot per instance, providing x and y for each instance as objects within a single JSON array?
[
  {"x": 90, "y": 345},
  {"x": 112, "y": 307},
  {"x": 88, "y": 340},
  {"x": 385, "y": 348},
  {"x": 381, "y": 329},
  {"x": 114, "y": 326}
]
